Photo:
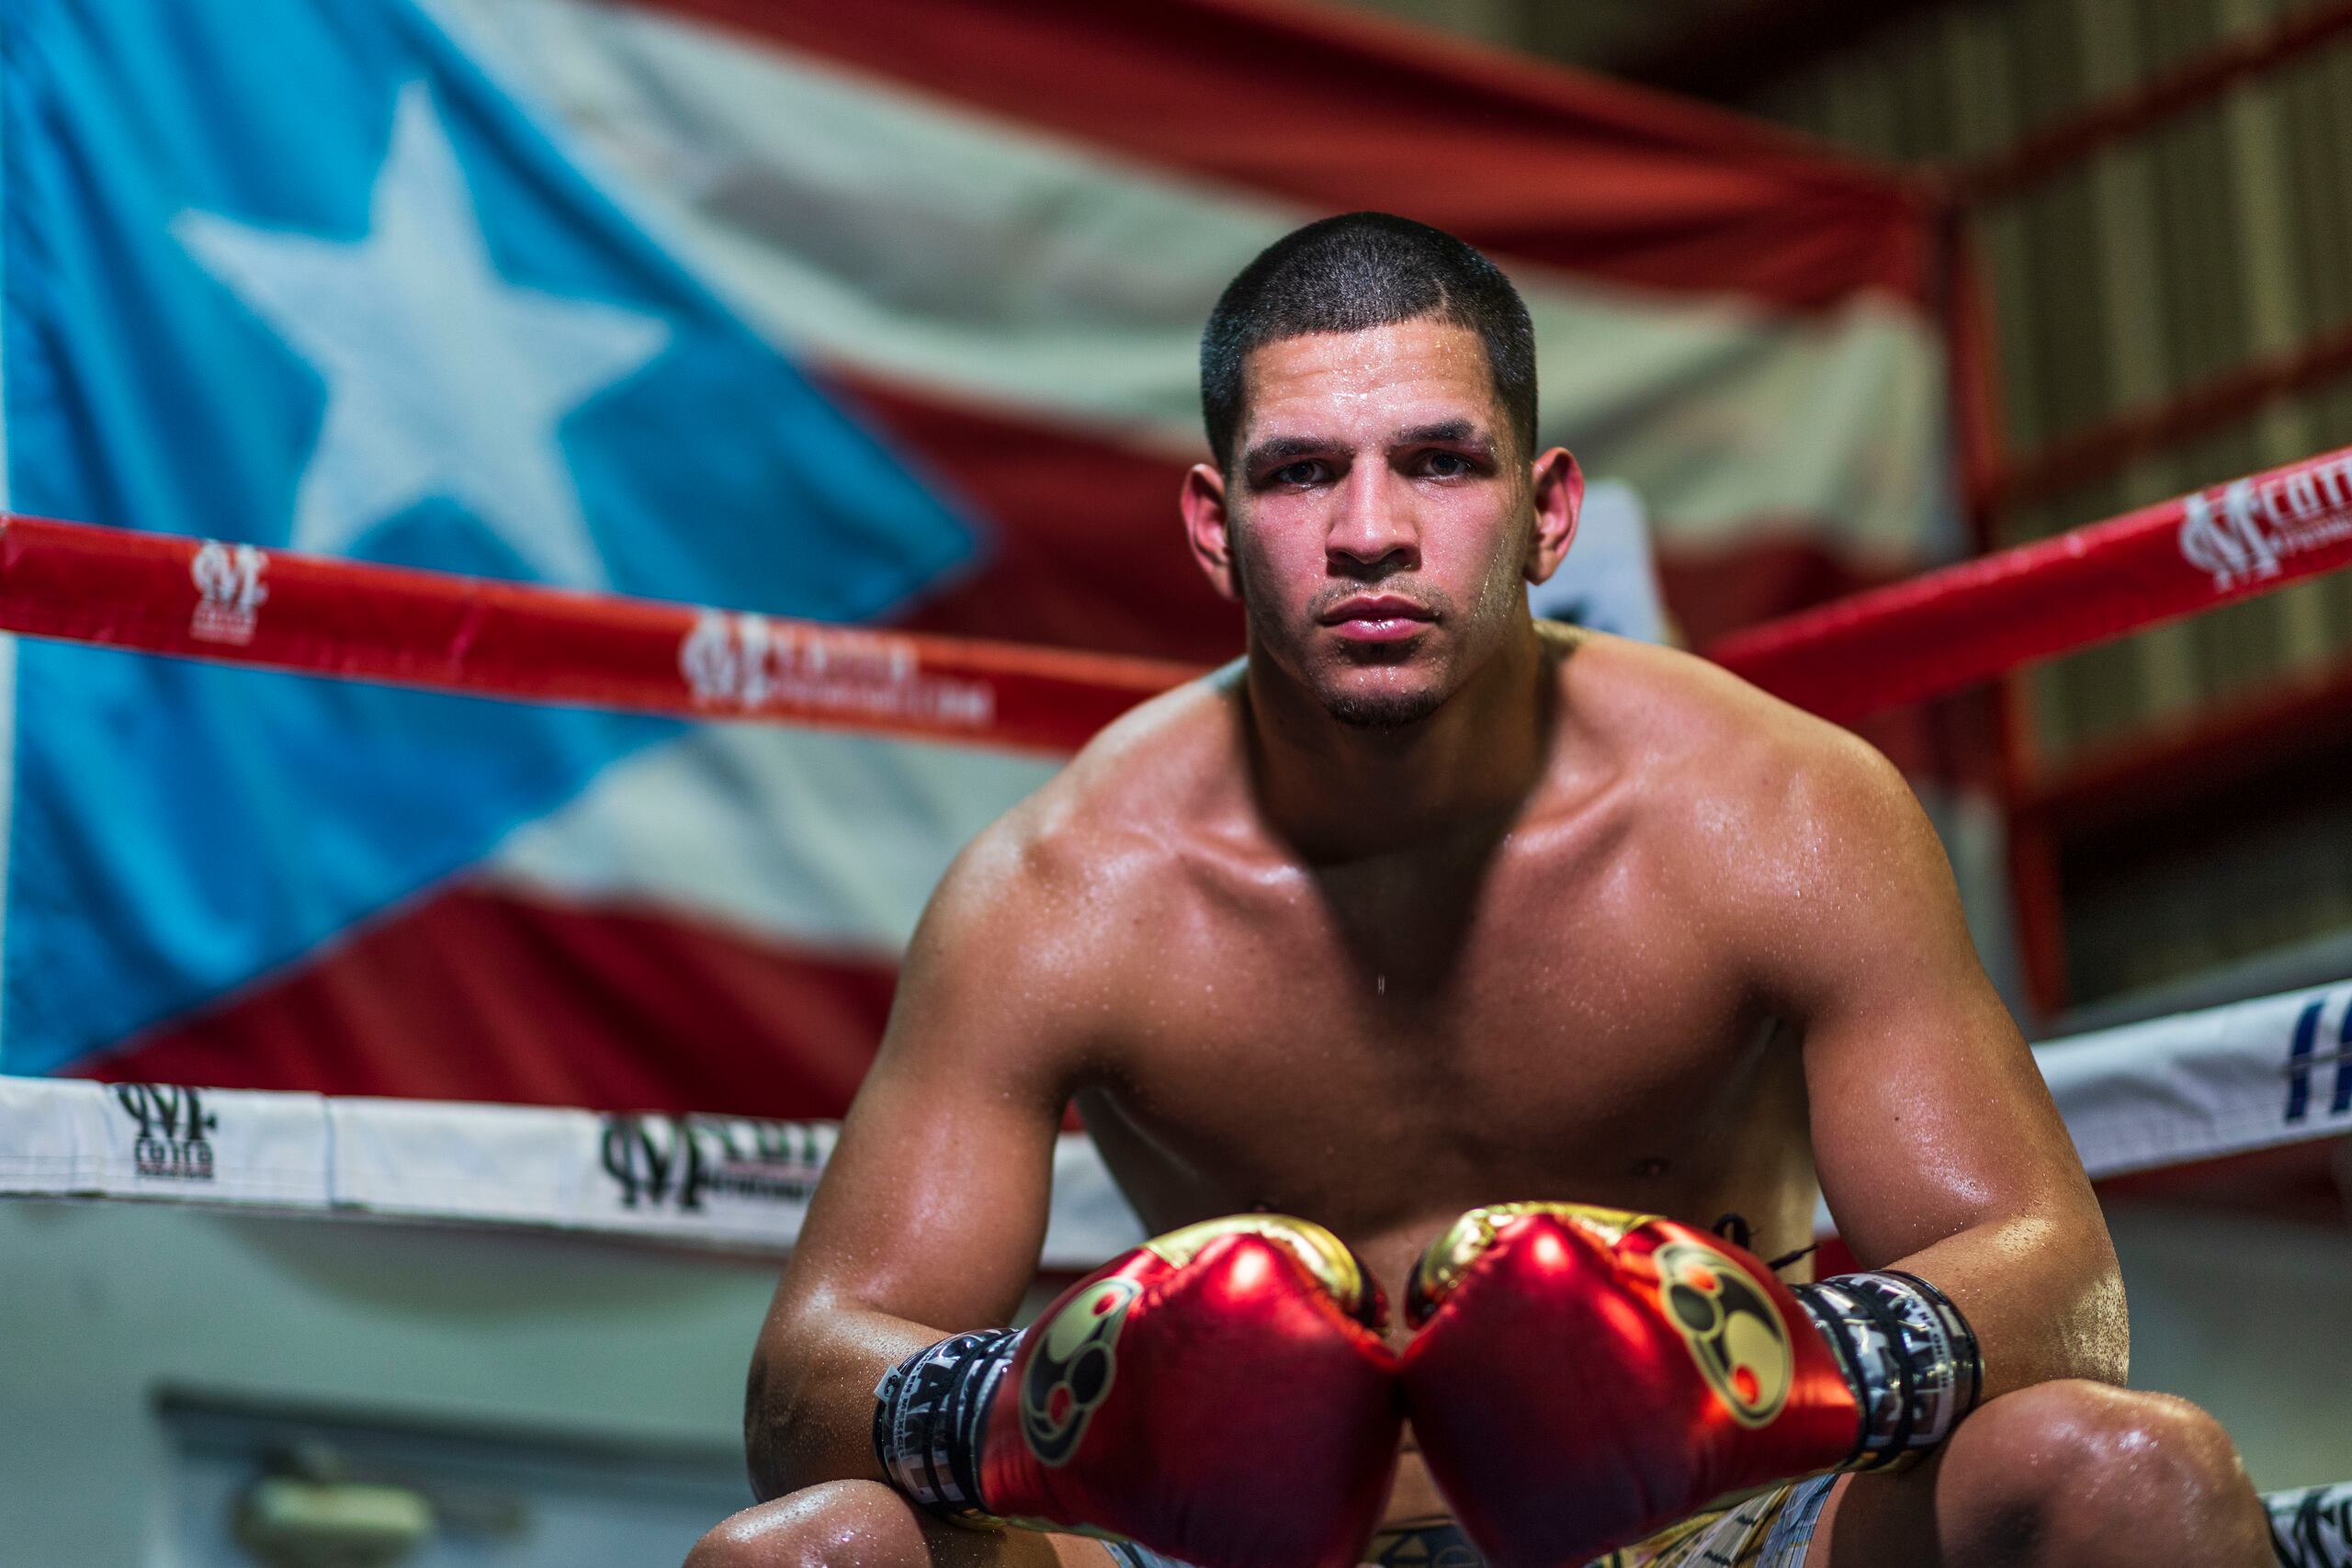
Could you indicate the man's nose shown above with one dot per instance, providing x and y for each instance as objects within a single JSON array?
[{"x": 1373, "y": 527}]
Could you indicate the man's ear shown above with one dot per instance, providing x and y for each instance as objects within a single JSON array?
[
  {"x": 1208, "y": 527},
  {"x": 1558, "y": 498}
]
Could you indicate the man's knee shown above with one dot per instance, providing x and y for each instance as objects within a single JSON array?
[
  {"x": 843, "y": 1524},
  {"x": 2088, "y": 1464},
  {"x": 2088, "y": 1434}
]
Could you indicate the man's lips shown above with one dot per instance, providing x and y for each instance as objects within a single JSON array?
[{"x": 1377, "y": 617}]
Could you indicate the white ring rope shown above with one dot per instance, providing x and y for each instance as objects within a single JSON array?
[{"x": 2169, "y": 1091}]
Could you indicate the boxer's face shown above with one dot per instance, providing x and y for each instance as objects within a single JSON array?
[{"x": 1377, "y": 519}]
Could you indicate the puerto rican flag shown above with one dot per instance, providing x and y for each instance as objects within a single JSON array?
[{"x": 878, "y": 312}]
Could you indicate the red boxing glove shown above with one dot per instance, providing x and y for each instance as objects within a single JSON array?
[
  {"x": 1583, "y": 1377},
  {"x": 1220, "y": 1394}
]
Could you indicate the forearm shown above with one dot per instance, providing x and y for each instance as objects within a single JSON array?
[
  {"x": 2042, "y": 1293},
  {"x": 809, "y": 1408}
]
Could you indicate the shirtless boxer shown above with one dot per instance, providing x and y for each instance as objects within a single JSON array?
[{"x": 1420, "y": 908}]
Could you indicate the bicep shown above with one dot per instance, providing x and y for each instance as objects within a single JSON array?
[
  {"x": 1929, "y": 1114},
  {"x": 933, "y": 1204}
]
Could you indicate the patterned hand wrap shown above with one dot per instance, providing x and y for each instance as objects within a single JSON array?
[
  {"x": 927, "y": 1414},
  {"x": 1909, "y": 1356}
]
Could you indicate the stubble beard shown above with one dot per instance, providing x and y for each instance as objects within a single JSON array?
[
  {"x": 1376, "y": 712},
  {"x": 1380, "y": 710},
  {"x": 1385, "y": 712}
]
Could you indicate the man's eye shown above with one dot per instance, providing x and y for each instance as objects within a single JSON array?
[
  {"x": 1447, "y": 465},
  {"x": 1305, "y": 472}
]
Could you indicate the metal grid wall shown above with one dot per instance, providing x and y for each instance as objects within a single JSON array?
[{"x": 2221, "y": 238}]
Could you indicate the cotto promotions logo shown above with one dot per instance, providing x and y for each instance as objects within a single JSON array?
[
  {"x": 680, "y": 1161},
  {"x": 230, "y": 592},
  {"x": 1072, "y": 1366},
  {"x": 1733, "y": 1329},
  {"x": 749, "y": 663},
  {"x": 174, "y": 1140},
  {"x": 2242, "y": 533}
]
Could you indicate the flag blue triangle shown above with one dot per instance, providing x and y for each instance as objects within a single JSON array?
[{"x": 304, "y": 276}]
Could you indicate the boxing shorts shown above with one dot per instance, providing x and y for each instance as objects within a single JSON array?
[{"x": 1771, "y": 1529}]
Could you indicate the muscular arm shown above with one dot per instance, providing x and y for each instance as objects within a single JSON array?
[
  {"x": 933, "y": 1206},
  {"x": 1936, "y": 1141}
]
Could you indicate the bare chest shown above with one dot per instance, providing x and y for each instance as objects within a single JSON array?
[{"x": 1381, "y": 1054}]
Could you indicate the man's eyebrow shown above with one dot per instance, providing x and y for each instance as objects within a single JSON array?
[
  {"x": 1446, "y": 433},
  {"x": 1284, "y": 448}
]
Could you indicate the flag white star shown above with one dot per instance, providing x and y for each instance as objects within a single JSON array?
[{"x": 443, "y": 378}]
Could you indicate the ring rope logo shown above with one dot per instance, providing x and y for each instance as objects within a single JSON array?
[
  {"x": 748, "y": 663},
  {"x": 1072, "y": 1368},
  {"x": 174, "y": 1139},
  {"x": 2241, "y": 535},
  {"x": 230, "y": 592},
  {"x": 678, "y": 1162},
  {"x": 1735, "y": 1332},
  {"x": 2305, "y": 1060}
]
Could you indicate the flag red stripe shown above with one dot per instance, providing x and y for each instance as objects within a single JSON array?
[
  {"x": 1334, "y": 112},
  {"x": 1086, "y": 551},
  {"x": 477, "y": 995}
]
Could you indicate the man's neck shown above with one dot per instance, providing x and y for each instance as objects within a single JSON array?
[{"x": 1340, "y": 792}]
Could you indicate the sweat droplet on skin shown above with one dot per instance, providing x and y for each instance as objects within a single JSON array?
[{"x": 1380, "y": 984}]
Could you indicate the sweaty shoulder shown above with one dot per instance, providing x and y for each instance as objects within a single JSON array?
[
  {"x": 1020, "y": 967},
  {"x": 1753, "y": 798},
  {"x": 1077, "y": 862}
]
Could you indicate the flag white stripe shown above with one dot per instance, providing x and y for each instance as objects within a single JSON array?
[
  {"x": 826, "y": 840},
  {"x": 865, "y": 224}
]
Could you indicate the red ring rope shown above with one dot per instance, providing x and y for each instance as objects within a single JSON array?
[
  {"x": 1945, "y": 629},
  {"x": 1952, "y": 628}
]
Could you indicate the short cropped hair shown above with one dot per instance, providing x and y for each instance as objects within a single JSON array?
[{"x": 1356, "y": 271}]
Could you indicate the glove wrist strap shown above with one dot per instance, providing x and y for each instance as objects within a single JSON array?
[
  {"x": 928, "y": 1413},
  {"x": 1907, "y": 1354}
]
